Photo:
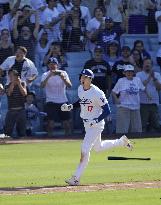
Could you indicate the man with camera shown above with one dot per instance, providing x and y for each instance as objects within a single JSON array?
[
  {"x": 16, "y": 94},
  {"x": 55, "y": 83}
]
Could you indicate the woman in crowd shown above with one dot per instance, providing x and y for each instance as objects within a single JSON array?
[
  {"x": 136, "y": 60},
  {"x": 139, "y": 45},
  {"x": 6, "y": 46},
  {"x": 41, "y": 49},
  {"x": 93, "y": 27},
  {"x": 73, "y": 31},
  {"x": 112, "y": 54}
]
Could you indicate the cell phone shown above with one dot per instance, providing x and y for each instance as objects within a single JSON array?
[{"x": 57, "y": 72}]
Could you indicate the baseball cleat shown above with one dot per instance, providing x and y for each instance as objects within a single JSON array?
[
  {"x": 73, "y": 181},
  {"x": 126, "y": 142}
]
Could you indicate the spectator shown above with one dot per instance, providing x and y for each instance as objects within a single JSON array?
[
  {"x": 137, "y": 11},
  {"x": 73, "y": 31},
  {"x": 26, "y": 37},
  {"x": 149, "y": 107},
  {"x": 40, "y": 6},
  {"x": 118, "y": 67},
  {"x": 152, "y": 24},
  {"x": 56, "y": 51},
  {"x": 93, "y": 27},
  {"x": 139, "y": 45},
  {"x": 109, "y": 34},
  {"x": 42, "y": 48},
  {"x": 126, "y": 96},
  {"x": 51, "y": 20},
  {"x": 25, "y": 68},
  {"x": 55, "y": 82},
  {"x": 136, "y": 60},
  {"x": 6, "y": 18},
  {"x": 85, "y": 14},
  {"x": 158, "y": 20},
  {"x": 101, "y": 70},
  {"x": 114, "y": 9},
  {"x": 6, "y": 46},
  {"x": 32, "y": 114},
  {"x": 24, "y": 17},
  {"x": 112, "y": 54},
  {"x": 16, "y": 92},
  {"x": 64, "y": 6}
]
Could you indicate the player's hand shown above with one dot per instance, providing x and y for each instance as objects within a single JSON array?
[
  {"x": 93, "y": 122},
  {"x": 66, "y": 108}
]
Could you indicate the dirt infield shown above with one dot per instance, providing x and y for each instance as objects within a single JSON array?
[{"x": 82, "y": 188}]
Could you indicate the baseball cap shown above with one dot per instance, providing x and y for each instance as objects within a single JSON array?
[
  {"x": 128, "y": 67},
  {"x": 53, "y": 60},
  {"x": 108, "y": 18},
  {"x": 98, "y": 48},
  {"x": 88, "y": 73}
]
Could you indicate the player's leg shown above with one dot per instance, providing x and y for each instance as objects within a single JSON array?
[{"x": 88, "y": 142}]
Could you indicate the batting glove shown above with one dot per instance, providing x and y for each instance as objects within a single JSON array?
[
  {"x": 93, "y": 122},
  {"x": 66, "y": 108}
]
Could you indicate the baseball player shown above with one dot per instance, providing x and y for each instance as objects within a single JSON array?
[{"x": 94, "y": 108}]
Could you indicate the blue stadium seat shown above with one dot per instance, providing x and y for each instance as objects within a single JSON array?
[
  {"x": 150, "y": 40},
  {"x": 77, "y": 59}
]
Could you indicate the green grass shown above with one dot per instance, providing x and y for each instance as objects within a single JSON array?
[
  {"x": 126, "y": 197},
  {"x": 50, "y": 163}
]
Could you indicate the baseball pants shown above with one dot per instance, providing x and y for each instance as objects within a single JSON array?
[{"x": 92, "y": 140}]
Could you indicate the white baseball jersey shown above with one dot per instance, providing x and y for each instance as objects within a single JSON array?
[{"x": 91, "y": 102}]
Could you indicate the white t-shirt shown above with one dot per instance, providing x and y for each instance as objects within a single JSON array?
[
  {"x": 138, "y": 7},
  {"x": 157, "y": 14},
  {"x": 91, "y": 102},
  {"x": 129, "y": 92},
  {"x": 28, "y": 70},
  {"x": 65, "y": 8},
  {"x": 85, "y": 14},
  {"x": 113, "y": 11},
  {"x": 37, "y": 4},
  {"x": 47, "y": 16},
  {"x": 5, "y": 22},
  {"x": 55, "y": 88},
  {"x": 91, "y": 27},
  {"x": 150, "y": 88}
]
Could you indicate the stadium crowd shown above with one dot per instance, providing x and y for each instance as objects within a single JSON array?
[{"x": 34, "y": 39}]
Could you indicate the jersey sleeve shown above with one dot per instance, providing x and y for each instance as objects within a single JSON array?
[{"x": 101, "y": 98}]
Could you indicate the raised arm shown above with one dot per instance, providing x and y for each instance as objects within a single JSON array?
[{"x": 37, "y": 25}]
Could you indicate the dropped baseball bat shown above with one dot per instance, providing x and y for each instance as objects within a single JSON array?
[{"x": 127, "y": 158}]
